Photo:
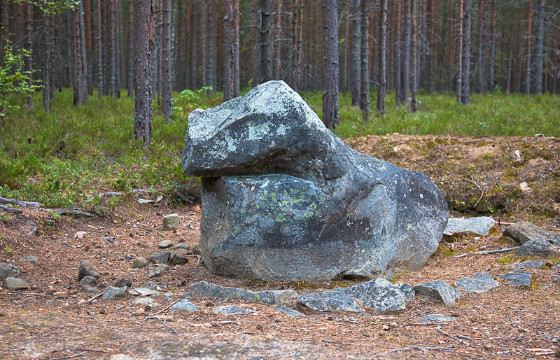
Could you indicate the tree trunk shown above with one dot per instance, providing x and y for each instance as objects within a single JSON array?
[
  {"x": 229, "y": 51},
  {"x": 364, "y": 81},
  {"x": 166, "y": 61},
  {"x": 382, "y": 76},
  {"x": 492, "y": 56},
  {"x": 529, "y": 47},
  {"x": 29, "y": 47},
  {"x": 330, "y": 97},
  {"x": 461, "y": 51},
  {"x": 89, "y": 44},
  {"x": 236, "y": 45},
  {"x": 143, "y": 88},
  {"x": 414, "y": 84},
  {"x": 480, "y": 45},
  {"x": 540, "y": 48},
  {"x": 451, "y": 49},
  {"x": 114, "y": 87},
  {"x": 398, "y": 53},
  {"x": 211, "y": 37},
  {"x": 278, "y": 40},
  {"x": 406, "y": 52},
  {"x": 467, "y": 22},
  {"x": 204, "y": 44},
  {"x": 131, "y": 52},
  {"x": 265, "y": 40},
  {"x": 99, "y": 45},
  {"x": 80, "y": 63},
  {"x": 49, "y": 47},
  {"x": 356, "y": 51}
]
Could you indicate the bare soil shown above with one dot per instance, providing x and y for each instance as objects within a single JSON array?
[{"x": 54, "y": 319}]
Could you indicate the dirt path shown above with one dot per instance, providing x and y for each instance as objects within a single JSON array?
[{"x": 55, "y": 320}]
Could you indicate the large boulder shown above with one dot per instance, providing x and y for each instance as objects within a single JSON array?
[{"x": 284, "y": 198}]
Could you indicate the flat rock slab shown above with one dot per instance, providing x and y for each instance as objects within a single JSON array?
[
  {"x": 438, "y": 290},
  {"x": 478, "y": 283},
  {"x": 205, "y": 289},
  {"x": 289, "y": 311},
  {"x": 8, "y": 270},
  {"x": 232, "y": 310},
  {"x": 330, "y": 301},
  {"x": 15, "y": 283},
  {"x": 538, "y": 248},
  {"x": 437, "y": 318},
  {"x": 113, "y": 293},
  {"x": 476, "y": 225},
  {"x": 146, "y": 301},
  {"x": 525, "y": 231},
  {"x": 158, "y": 270},
  {"x": 184, "y": 305},
  {"x": 284, "y": 199},
  {"x": 520, "y": 279},
  {"x": 530, "y": 264},
  {"x": 143, "y": 291}
]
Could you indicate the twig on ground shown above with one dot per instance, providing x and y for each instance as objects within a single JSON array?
[
  {"x": 20, "y": 203},
  {"x": 93, "y": 298},
  {"x": 162, "y": 310},
  {"x": 489, "y": 252},
  {"x": 10, "y": 210},
  {"x": 479, "y": 188}
]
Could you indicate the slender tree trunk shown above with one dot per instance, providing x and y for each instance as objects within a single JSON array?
[
  {"x": 204, "y": 44},
  {"x": 80, "y": 63},
  {"x": 113, "y": 48},
  {"x": 211, "y": 33},
  {"x": 465, "y": 95},
  {"x": 298, "y": 9},
  {"x": 49, "y": 47},
  {"x": 398, "y": 54},
  {"x": 364, "y": 88},
  {"x": 143, "y": 88},
  {"x": 510, "y": 66},
  {"x": 278, "y": 40},
  {"x": 5, "y": 19},
  {"x": 29, "y": 47},
  {"x": 529, "y": 47},
  {"x": 89, "y": 43},
  {"x": 406, "y": 52},
  {"x": 330, "y": 97},
  {"x": 480, "y": 51},
  {"x": 265, "y": 40},
  {"x": 236, "y": 45},
  {"x": 540, "y": 48},
  {"x": 414, "y": 45},
  {"x": 493, "y": 40},
  {"x": 166, "y": 60},
  {"x": 99, "y": 45},
  {"x": 450, "y": 50},
  {"x": 461, "y": 52},
  {"x": 382, "y": 76},
  {"x": 430, "y": 46},
  {"x": 131, "y": 52},
  {"x": 229, "y": 51},
  {"x": 356, "y": 51}
]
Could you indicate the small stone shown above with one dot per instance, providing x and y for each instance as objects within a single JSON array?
[
  {"x": 520, "y": 279},
  {"x": 123, "y": 282},
  {"x": 203, "y": 289},
  {"x": 171, "y": 222},
  {"x": 477, "y": 225},
  {"x": 88, "y": 283},
  {"x": 385, "y": 327},
  {"x": 437, "y": 318},
  {"x": 184, "y": 305},
  {"x": 232, "y": 310},
  {"x": 140, "y": 262},
  {"x": 80, "y": 235},
  {"x": 516, "y": 157},
  {"x": 158, "y": 270},
  {"x": 179, "y": 257},
  {"x": 330, "y": 300},
  {"x": 438, "y": 290},
  {"x": 407, "y": 290},
  {"x": 8, "y": 270},
  {"x": 531, "y": 264},
  {"x": 143, "y": 291},
  {"x": 181, "y": 245},
  {"x": 15, "y": 283},
  {"x": 165, "y": 244},
  {"x": 160, "y": 258},
  {"x": 87, "y": 270},
  {"x": 379, "y": 294},
  {"x": 32, "y": 259},
  {"x": 538, "y": 248},
  {"x": 114, "y": 292},
  {"x": 478, "y": 283},
  {"x": 146, "y": 302},
  {"x": 524, "y": 187},
  {"x": 196, "y": 249},
  {"x": 289, "y": 311}
]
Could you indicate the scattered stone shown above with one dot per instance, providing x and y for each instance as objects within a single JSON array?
[
  {"x": 516, "y": 157},
  {"x": 520, "y": 279},
  {"x": 13, "y": 283},
  {"x": 143, "y": 292},
  {"x": 285, "y": 199},
  {"x": 123, "y": 282},
  {"x": 179, "y": 257},
  {"x": 171, "y": 222},
  {"x": 8, "y": 270},
  {"x": 525, "y": 231},
  {"x": 438, "y": 290},
  {"x": 232, "y": 310},
  {"x": 407, "y": 290},
  {"x": 31, "y": 228},
  {"x": 113, "y": 293},
  {"x": 478, "y": 283},
  {"x": 330, "y": 300},
  {"x": 530, "y": 264},
  {"x": 437, "y": 318},
  {"x": 538, "y": 248},
  {"x": 158, "y": 270},
  {"x": 88, "y": 284},
  {"x": 110, "y": 239},
  {"x": 32, "y": 259},
  {"x": 524, "y": 187},
  {"x": 80, "y": 235},
  {"x": 181, "y": 245},
  {"x": 205, "y": 289},
  {"x": 557, "y": 266},
  {"x": 289, "y": 311},
  {"x": 477, "y": 225},
  {"x": 146, "y": 302},
  {"x": 160, "y": 258},
  {"x": 87, "y": 270},
  {"x": 165, "y": 244},
  {"x": 184, "y": 305},
  {"x": 380, "y": 295},
  {"x": 140, "y": 262}
]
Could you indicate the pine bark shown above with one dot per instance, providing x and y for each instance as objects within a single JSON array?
[
  {"x": 80, "y": 63},
  {"x": 265, "y": 40},
  {"x": 480, "y": 47},
  {"x": 493, "y": 44},
  {"x": 236, "y": 45},
  {"x": 364, "y": 81},
  {"x": 131, "y": 52},
  {"x": 100, "y": 50},
  {"x": 539, "y": 60},
  {"x": 406, "y": 52},
  {"x": 529, "y": 47},
  {"x": 211, "y": 37},
  {"x": 356, "y": 51},
  {"x": 414, "y": 45},
  {"x": 278, "y": 40},
  {"x": 143, "y": 88},
  {"x": 430, "y": 46},
  {"x": 49, "y": 48},
  {"x": 29, "y": 47},
  {"x": 229, "y": 52},
  {"x": 330, "y": 97},
  {"x": 398, "y": 53},
  {"x": 467, "y": 22},
  {"x": 382, "y": 76},
  {"x": 166, "y": 61},
  {"x": 113, "y": 82}
]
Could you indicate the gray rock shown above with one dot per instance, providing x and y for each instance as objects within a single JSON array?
[
  {"x": 478, "y": 283},
  {"x": 32, "y": 259},
  {"x": 87, "y": 270},
  {"x": 179, "y": 257},
  {"x": 330, "y": 300},
  {"x": 113, "y": 293},
  {"x": 158, "y": 270},
  {"x": 476, "y": 225},
  {"x": 379, "y": 295},
  {"x": 8, "y": 270},
  {"x": 525, "y": 231},
  {"x": 284, "y": 198},
  {"x": 146, "y": 302},
  {"x": 520, "y": 279},
  {"x": 232, "y": 310},
  {"x": 184, "y": 305},
  {"x": 171, "y": 222},
  {"x": 165, "y": 244},
  {"x": 557, "y": 266},
  {"x": 530, "y": 264},
  {"x": 438, "y": 290},
  {"x": 289, "y": 311},
  {"x": 123, "y": 282},
  {"x": 143, "y": 291},
  {"x": 88, "y": 284},
  {"x": 538, "y": 248},
  {"x": 140, "y": 262},
  {"x": 13, "y": 283},
  {"x": 181, "y": 245},
  {"x": 437, "y": 318},
  {"x": 205, "y": 289},
  {"x": 407, "y": 290},
  {"x": 160, "y": 258}
]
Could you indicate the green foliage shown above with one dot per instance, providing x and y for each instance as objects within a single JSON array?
[
  {"x": 51, "y": 6},
  {"x": 14, "y": 80},
  {"x": 188, "y": 100}
]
